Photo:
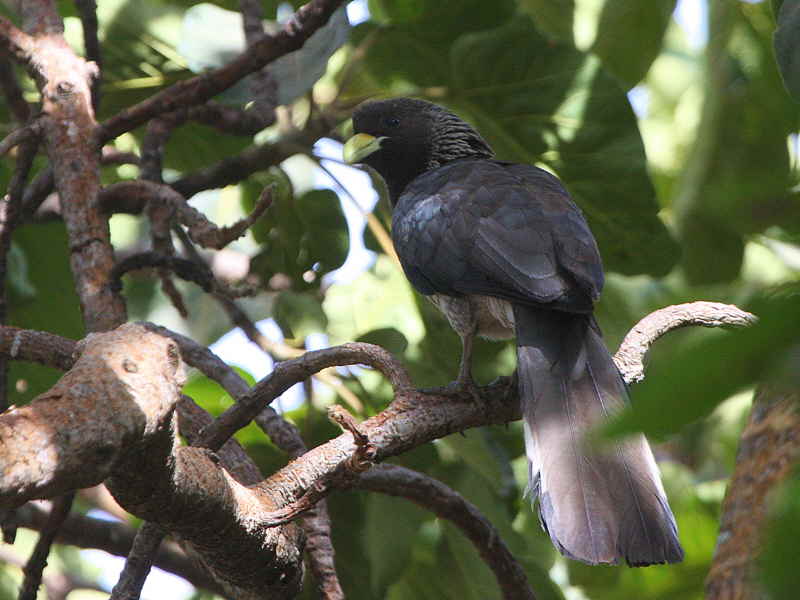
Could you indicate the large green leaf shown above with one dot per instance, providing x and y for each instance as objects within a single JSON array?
[
  {"x": 303, "y": 238},
  {"x": 389, "y": 541},
  {"x": 53, "y": 307},
  {"x": 609, "y": 28},
  {"x": 787, "y": 45},
  {"x": 739, "y": 174},
  {"x": 411, "y": 41}
]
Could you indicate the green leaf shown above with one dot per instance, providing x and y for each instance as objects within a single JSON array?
[
  {"x": 325, "y": 239},
  {"x": 703, "y": 374},
  {"x": 609, "y": 28},
  {"x": 282, "y": 195},
  {"x": 194, "y": 146},
  {"x": 299, "y": 315},
  {"x": 19, "y": 273},
  {"x": 739, "y": 174},
  {"x": 410, "y": 49},
  {"x": 388, "y": 541},
  {"x": 54, "y": 307},
  {"x": 387, "y": 337},
  {"x": 555, "y": 19},
  {"x": 787, "y": 45},
  {"x": 627, "y": 24}
]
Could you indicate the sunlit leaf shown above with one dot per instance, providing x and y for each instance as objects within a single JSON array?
[
  {"x": 389, "y": 542},
  {"x": 299, "y": 314},
  {"x": 387, "y": 337},
  {"x": 609, "y": 28}
]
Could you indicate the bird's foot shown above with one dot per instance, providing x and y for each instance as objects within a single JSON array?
[{"x": 460, "y": 388}]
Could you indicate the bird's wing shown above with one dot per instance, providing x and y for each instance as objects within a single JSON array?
[{"x": 499, "y": 229}]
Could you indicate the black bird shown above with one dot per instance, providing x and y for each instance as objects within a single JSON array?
[{"x": 502, "y": 251}]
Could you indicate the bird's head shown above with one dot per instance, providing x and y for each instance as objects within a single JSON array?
[{"x": 402, "y": 138}]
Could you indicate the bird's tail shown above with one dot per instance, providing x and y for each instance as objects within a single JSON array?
[{"x": 599, "y": 504}]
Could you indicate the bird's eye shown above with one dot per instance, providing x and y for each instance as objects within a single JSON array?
[{"x": 391, "y": 121}]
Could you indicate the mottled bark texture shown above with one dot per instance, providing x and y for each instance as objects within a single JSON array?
[
  {"x": 768, "y": 450},
  {"x": 129, "y": 382}
]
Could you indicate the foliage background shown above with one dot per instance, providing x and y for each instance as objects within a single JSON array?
[{"x": 691, "y": 196}]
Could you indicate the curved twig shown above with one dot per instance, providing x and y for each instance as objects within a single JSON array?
[
  {"x": 633, "y": 349},
  {"x": 38, "y": 560},
  {"x": 289, "y": 372}
]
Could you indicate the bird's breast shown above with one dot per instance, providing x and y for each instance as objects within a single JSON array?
[{"x": 489, "y": 317}]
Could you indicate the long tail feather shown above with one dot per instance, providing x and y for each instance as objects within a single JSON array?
[{"x": 599, "y": 505}]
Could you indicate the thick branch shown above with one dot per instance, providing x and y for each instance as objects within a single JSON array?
[
  {"x": 69, "y": 126},
  {"x": 124, "y": 380},
  {"x": 768, "y": 451},
  {"x": 128, "y": 380}
]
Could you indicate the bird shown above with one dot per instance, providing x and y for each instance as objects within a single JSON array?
[{"x": 501, "y": 249}]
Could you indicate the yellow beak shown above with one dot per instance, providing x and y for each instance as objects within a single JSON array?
[{"x": 360, "y": 146}]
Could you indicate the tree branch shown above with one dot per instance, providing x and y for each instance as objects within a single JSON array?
[
  {"x": 138, "y": 562},
  {"x": 91, "y": 43},
  {"x": 114, "y": 538},
  {"x": 69, "y": 125},
  {"x": 185, "y": 490},
  {"x": 448, "y": 504},
  {"x": 38, "y": 560},
  {"x": 201, "y": 88},
  {"x": 769, "y": 448},
  {"x": 631, "y": 354}
]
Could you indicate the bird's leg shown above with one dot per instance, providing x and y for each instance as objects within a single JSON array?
[
  {"x": 464, "y": 379},
  {"x": 464, "y": 385}
]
